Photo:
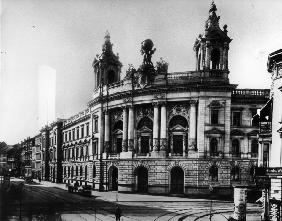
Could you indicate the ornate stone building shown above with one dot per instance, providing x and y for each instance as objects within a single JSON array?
[{"x": 161, "y": 132}]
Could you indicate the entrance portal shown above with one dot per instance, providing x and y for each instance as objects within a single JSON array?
[
  {"x": 176, "y": 180},
  {"x": 113, "y": 178},
  {"x": 142, "y": 179}
]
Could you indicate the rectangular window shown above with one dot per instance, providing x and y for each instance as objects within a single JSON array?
[
  {"x": 87, "y": 129},
  {"x": 77, "y": 133},
  {"x": 55, "y": 139},
  {"x": 236, "y": 118},
  {"x": 95, "y": 147},
  {"x": 96, "y": 125},
  {"x": 214, "y": 116},
  {"x": 82, "y": 131},
  {"x": 66, "y": 137},
  {"x": 70, "y": 135},
  {"x": 73, "y": 134}
]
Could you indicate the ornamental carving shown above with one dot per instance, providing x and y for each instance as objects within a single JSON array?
[
  {"x": 159, "y": 96},
  {"x": 177, "y": 164},
  {"x": 144, "y": 112},
  {"x": 127, "y": 99},
  {"x": 179, "y": 109},
  {"x": 116, "y": 115}
]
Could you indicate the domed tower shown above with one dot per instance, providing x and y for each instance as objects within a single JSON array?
[
  {"x": 212, "y": 47},
  {"x": 107, "y": 66}
]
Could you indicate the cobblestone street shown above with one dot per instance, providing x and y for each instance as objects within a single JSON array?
[{"x": 49, "y": 201}]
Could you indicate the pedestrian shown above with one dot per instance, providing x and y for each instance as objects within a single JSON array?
[
  {"x": 118, "y": 213},
  {"x": 76, "y": 185},
  {"x": 39, "y": 179}
]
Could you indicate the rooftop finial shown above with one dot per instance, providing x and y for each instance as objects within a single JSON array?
[
  {"x": 213, "y": 7},
  {"x": 107, "y": 36}
]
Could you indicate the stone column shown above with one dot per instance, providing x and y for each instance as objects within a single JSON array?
[
  {"x": 130, "y": 128},
  {"x": 101, "y": 131},
  {"x": 184, "y": 144},
  {"x": 156, "y": 128},
  {"x": 124, "y": 129},
  {"x": 163, "y": 140},
  {"x": 139, "y": 144},
  {"x": 193, "y": 126},
  {"x": 171, "y": 144},
  {"x": 107, "y": 133},
  {"x": 260, "y": 154},
  {"x": 221, "y": 61},
  {"x": 208, "y": 55}
]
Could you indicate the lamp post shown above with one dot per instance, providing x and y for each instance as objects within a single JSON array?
[{"x": 211, "y": 190}]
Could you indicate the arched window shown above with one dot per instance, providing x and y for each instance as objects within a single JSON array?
[
  {"x": 235, "y": 173},
  {"x": 235, "y": 148},
  {"x": 213, "y": 173},
  {"x": 213, "y": 147},
  {"x": 215, "y": 57},
  {"x": 254, "y": 148}
]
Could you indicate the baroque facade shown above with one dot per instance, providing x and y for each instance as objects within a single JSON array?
[{"x": 159, "y": 132}]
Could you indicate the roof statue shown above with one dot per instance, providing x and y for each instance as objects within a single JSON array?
[{"x": 147, "y": 51}]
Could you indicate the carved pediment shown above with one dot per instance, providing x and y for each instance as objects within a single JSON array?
[
  {"x": 178, "y": 128},
  {"x": 237, "y": 133},
  {"x": 253, "y": 133},
  {"x": 145, "y": 129},
  {"x": 118, "y": 131}
]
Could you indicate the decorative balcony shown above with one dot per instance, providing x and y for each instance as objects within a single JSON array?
[{"x": 251, "y": 95}]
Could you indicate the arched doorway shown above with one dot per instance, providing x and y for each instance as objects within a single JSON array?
[
  {"x": 141, "y": 177},
  {"x": 176, "y": 180},
  {"x": 113, "y": 178}
]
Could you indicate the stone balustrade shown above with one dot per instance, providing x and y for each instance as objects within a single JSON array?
[{"x": 251, "y": 92}]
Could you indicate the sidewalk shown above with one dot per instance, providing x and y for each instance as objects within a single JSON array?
[{"x": 114, "y": 196}]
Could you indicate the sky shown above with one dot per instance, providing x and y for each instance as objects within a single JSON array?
[{"x": 65, "y": 35}]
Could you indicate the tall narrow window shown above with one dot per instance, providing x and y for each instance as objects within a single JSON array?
[
  {"x": 87, "y": 129},
  {"x": 254, "y": 148},
  {"x": 235, "y": 148},
  {"x": 73, "y": 134},
  {"x": 77, "y": 133},
  {"x": 82, "y": 131},
  {"x": 214, "y": 116},
  {"x": 236, "y": 118},
  {"x": 213, "y": 147}
]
